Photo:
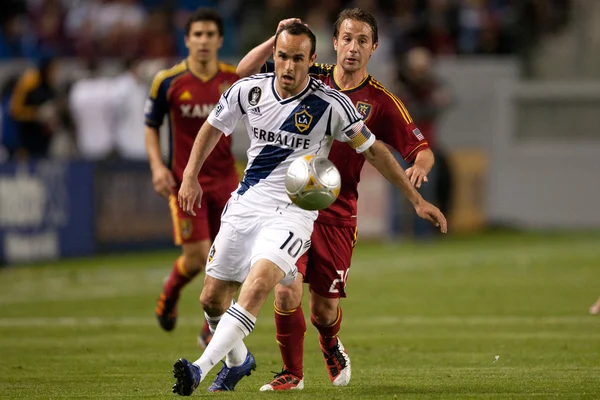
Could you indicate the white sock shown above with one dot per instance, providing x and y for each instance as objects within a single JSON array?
[
  {"x": 238, "y": 354},
  {"x": 235, "y": 325}
]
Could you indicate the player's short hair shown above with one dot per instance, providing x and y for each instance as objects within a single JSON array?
[
  {"x": 205, "y": 14},
  {"x": 357, "y": 14},
  {"x": 297, "y": 29}
]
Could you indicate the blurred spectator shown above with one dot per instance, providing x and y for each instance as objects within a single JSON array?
[
  {"x": 130, "y": 96},
  {"x": 47, "y": 19},
  {"x": 106, "y": 27},
  {"x": 16, "y": 39},
  {"x": 322, "y": 28},
  {"x": 269, "y": 13},
  {"x": 426, "y": 97},
  {"x": 9, "y": 139},
  {"x": 34, "y": 109},
  {"x": 92, "y": 102},
  {"x": 157, "y": 39}
]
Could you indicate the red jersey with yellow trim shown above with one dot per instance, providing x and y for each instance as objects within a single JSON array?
[
  {"x": 387, "y": 118},
  {"x": 188, "y": 100}
]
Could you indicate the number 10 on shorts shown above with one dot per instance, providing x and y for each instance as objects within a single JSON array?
[{"x": 294, "y": 247}]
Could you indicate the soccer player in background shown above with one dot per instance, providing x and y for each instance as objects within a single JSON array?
[
  {"x": 326, "y": 264},
  {"x": 287, "y": 115},
  {"x": 187, "y": 93}
]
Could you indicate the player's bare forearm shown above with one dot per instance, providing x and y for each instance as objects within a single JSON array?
[
  {"x": 256, "y": 58},
  {"x": 383, "y": 160},
  {"x": 205, "y": 142},
  {"x": 153, "y": 147},
  {"x": 425, "y": 160}
]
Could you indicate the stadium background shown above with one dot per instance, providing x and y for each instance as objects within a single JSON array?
[{"x": 515, "y": 275}]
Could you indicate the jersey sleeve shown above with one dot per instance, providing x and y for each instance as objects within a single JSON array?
[
  {"x": 157, "y": 104},
  {"x": 349, "y": 126},
  {"x": 397, "y": 129},
  {"x": 316, "y": 69},
  {"x": 321, "y": 69},
  {"x": 269, "y": 66},
  {"x": 229, "y": 110}
]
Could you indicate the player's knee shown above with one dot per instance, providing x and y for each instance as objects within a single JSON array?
[
  {"x": 324, "y": 310},
  {"x": 288, "y": 297},
  {"x": 214, "y": 303}
]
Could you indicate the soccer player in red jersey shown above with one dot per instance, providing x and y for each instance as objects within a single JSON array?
[
  {"x": 326, "y": 264},
  {"x": 187, "y": 93}
]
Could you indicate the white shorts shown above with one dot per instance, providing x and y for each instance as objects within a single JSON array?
[{"x": 250, "y": 234}]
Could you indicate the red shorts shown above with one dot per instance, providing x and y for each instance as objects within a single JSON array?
[
  {"x": 326, "y": 264},
  {"x": 205, "y": 225}
]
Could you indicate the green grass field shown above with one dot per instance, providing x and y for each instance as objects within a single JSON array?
[{"x": 421, "y": 321}]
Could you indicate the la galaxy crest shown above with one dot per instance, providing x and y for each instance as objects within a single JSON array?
[
  {"x": 364, "y": 109},
  {"x": 302, "y": 120},
  {"x": 254, "y": 95},
  {"x": 211, "y": 254}
]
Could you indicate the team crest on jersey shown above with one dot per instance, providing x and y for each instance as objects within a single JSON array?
[
  {"x": 224, "y": 86},
  {"x": 302, "y": 120},
  {"x": 254, "y": 95},
  {"x": 364, "y": 109},
  {"x": 185, "y": 225}
]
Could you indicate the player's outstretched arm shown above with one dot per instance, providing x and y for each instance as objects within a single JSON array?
[
  {"x": 258, "y": 56},
  {"x": 383, "y": 160},
  {"x": 190, "y": 193}
]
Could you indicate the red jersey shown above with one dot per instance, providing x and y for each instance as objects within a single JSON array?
[
  {"x": 188, "y": 100},
  {"x": 387, "y": 118}
]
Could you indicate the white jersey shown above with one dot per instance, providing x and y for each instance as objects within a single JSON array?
[{"x": 282, "y": 130}]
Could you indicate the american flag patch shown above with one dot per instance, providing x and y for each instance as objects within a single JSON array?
[{"x": 418, "y": 134}]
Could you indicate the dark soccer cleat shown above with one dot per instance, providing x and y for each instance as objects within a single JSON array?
[
  {"x": 166, "y": 312},
  {"x": 338, "y": 364},
  {"x": 188, "y": 377},
  {"x": 284, "y": 381},
  {"x": 227, "y": 378}
]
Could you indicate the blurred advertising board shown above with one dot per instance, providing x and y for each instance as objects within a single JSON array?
[
  {"x": 129, "y": 214},
  {"x": 46, "y": 210}
]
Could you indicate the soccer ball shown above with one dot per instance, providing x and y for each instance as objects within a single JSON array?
[{"x": 313, "y": 182}]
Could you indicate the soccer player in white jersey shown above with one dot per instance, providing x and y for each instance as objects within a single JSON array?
[{"x": 287, "y": 115}]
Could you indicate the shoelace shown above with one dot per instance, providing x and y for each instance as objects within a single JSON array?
[
  {"x": 280, "y": 376},
  {"x": 221, "y": 375},
  {"x": 337, "y": 355}
]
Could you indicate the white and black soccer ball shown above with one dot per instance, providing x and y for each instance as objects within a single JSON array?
[{"x": 313, "y": 182}]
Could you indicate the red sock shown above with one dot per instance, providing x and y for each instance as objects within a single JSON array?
[
  {"x": 291, "y": 328},
  {"x": 328, "y": 334},
  {"x": 178, "y": 278}
]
